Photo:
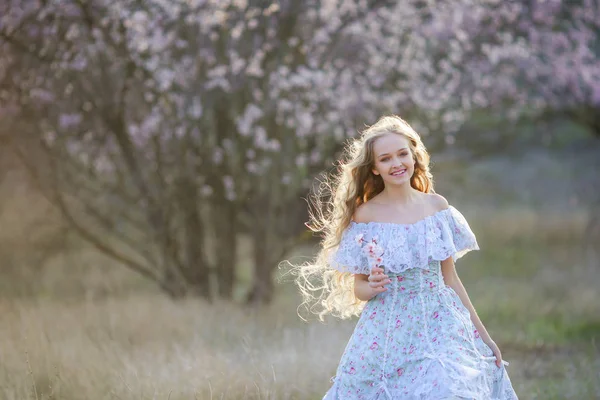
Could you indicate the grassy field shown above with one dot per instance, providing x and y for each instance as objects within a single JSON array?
[
  {"x": 534, "y": 292},
  {"x": 76, "y": 326}
]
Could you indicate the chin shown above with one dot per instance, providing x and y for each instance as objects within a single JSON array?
[{"x": 398, "y": 182}]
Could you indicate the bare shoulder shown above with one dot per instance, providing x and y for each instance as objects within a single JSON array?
[
  {"x": 438, "y": 202},
  {"x": 363, "y": 213}
]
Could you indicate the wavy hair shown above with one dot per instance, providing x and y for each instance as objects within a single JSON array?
[{"x": 325, "y": 290}]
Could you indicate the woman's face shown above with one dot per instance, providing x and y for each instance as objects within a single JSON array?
[{"x": 393, "y": 159}]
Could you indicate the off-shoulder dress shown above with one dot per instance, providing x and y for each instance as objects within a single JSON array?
[{"x": 416, "y": 340}]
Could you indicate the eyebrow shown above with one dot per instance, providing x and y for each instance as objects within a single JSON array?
[{"x": 385, "y": 154}]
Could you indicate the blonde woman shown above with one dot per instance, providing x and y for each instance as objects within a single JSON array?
[{"x": 388, "y": 252}]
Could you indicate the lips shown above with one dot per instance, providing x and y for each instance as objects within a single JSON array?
[{"x": 398, "y": 173}]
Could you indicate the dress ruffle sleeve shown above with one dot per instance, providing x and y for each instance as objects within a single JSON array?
[
  {"x": 457, "y": 237},
  {"x": 349, "y": 255}
]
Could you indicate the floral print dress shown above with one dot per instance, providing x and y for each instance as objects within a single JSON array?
[{"x": 416, "y": 340}]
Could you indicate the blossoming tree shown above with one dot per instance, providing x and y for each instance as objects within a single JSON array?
[{"x": 164, "y": 129}]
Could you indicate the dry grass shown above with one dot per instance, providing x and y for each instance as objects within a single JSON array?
[
  {"x": 142, "y": 346},
  {"x": 76, "y": 326},
  {"x": 148, "y": 347}
]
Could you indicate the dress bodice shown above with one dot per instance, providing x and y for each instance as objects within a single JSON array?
[{"x": 399, "y": 247}]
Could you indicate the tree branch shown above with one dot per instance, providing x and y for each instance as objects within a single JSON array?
[{"x": 57, "y": 199}]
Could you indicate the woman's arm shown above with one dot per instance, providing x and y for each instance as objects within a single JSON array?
[{"x": 451, "y": 279}]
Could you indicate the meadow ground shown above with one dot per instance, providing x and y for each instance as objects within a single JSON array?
[
  {"x": 79, "y": 327},
  {"x": 532, "y": 288}
]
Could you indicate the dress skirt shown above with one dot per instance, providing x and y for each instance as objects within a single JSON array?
[{"x": 416, "y": 341}]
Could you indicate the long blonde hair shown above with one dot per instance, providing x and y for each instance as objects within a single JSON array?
[{"x": 334, "y": 202}]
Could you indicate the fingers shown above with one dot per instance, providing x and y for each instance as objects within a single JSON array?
[
  {"x": 376, "y": 270},
  {"x": 378, "y": 280},
  {"x": 498, "y": 359},
  {"x": 498, "y": 356}
]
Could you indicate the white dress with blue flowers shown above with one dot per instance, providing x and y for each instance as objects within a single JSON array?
[{"x": 416, "y": 340}]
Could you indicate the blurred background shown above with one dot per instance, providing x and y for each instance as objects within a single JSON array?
[{"x": 156, "y": 157}]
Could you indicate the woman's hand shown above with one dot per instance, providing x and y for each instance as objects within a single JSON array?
[
  {"x": 377, "y": 280},
  {"x": 492, "y": 345}
]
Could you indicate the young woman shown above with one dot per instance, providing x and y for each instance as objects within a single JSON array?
[{"x": 388, "y": 251}]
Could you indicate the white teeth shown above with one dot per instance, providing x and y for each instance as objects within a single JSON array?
[{"x": 399, "y": 172}]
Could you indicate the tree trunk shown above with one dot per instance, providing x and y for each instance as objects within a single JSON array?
[
  {"x": 224, "y": 222},
  {"x": 262, "y": 279},
  {"x": 195, "y": 268},
  {"x": 268, "y": 250},
  {"x": 224, "y": 210},
  {"x": 197, "y": 272},
  {"x": 172, "y": 285}
]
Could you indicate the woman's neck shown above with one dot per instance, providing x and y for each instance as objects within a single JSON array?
[{"x": 403, "y": 194}]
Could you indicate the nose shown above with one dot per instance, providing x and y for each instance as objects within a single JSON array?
[{"x": 397, "y": 163}]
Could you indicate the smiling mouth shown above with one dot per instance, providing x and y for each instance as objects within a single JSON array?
[{"x": 399, "y": 173}]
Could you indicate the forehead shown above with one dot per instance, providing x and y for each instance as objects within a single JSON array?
[{"x": 389, "y": 143}]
